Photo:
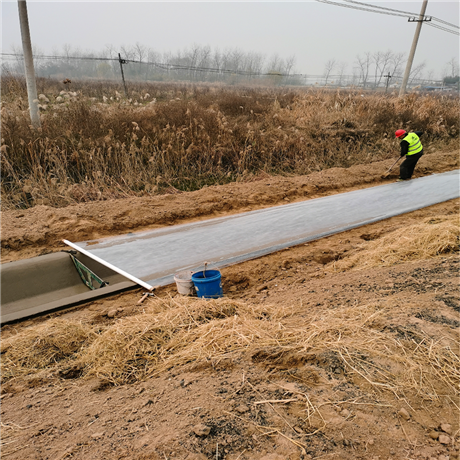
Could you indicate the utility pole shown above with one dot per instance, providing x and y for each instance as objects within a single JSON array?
[
  {"x": 419, "y": 21},
  {"x": 29, "y": 64},
  {"x": 123, "y": 61},
  {"x": 388, "y": 81}
]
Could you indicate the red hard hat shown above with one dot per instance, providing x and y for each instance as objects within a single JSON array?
[{"x": 400, "y": 132}]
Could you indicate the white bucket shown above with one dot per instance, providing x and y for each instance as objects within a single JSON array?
[{"x": 184, "y": 283}]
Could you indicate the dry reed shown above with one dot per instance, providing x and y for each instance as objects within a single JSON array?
[
  {"x": 168, "y": 333},
  {"x": 432, "y": 237},
  {"x": 43, "y": 346},
  {"x": 95, "y": 144}
]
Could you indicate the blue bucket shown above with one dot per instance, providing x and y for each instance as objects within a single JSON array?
[{"x": 208, "y": 284}]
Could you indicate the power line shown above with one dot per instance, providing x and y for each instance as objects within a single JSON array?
[
  {"x": 82, "y": 58},
  {"x": 165, "y": 66},
  {"x": 392, "y": 12},
  {"x": 437, "y": 26},
  {"x": 360, "y": 8},
  {"x": 400, "y": 11},
  {"x": 445, "y": 22}
]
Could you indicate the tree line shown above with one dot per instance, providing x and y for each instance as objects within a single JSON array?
[
  {"x": 371, "y": 69},
  {"x": 199, "y": 63}
]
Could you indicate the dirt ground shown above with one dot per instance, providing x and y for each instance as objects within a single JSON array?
[{"x": 263, "y": 405}]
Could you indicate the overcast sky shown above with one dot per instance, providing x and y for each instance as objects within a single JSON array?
[{"x": 311, "y": 31}]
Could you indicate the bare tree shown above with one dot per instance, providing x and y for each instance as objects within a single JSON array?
[
  {"x": 127, "y": 53},
  {"x": 167, "y": 60},
  {"x": 288, "y": 65},
  {"x": 110, "y": 51},
  {"x": 452, "y": 68},
  {"x": 364, "y": 64},
  {"x": 237, "y": 57},
  {"x": 253, "y": 64},
  {"x": 416, "y": 72},
  {"x": 395, "y": 64},
  {"x": 140, "y": 51},
  {"x": 204, "y": 60},
  {"x": 67, "y": 51},
  {"x": 328, "y": 68},
  {"x": 150, "y": 69},
  {"x": 195, "y": 63},
  {"x": 275, "y": 64},
  {"x": 342, "y": 67},
  {"x": 258, "y": 62},
  {"x": 381, "y": 62},
  {"x": 430, "y": 76},
  {"x": 355, "y": 77},
  {"x": 192, "y": 57},
  {"x": 217, "y": 63}
]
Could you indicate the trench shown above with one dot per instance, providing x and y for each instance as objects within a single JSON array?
[{"x": 151, "y": 258}]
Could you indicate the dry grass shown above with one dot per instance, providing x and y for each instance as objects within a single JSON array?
[
  {"x": 168, "y": 333},
  {"x": 175, "y": 332},
  {"x": 95, "y": 144},
  {"x": 43, "y": 346},
  {"x": 432, "y": 237}
]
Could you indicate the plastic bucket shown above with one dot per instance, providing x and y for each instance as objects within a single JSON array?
[
  {"x": 208, "y": 284},
  {"x": 184, "y": 283}
]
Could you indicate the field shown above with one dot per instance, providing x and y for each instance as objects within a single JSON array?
[
  {"x": 95, "y": 144},
  {"x": 342, "y": 348}
]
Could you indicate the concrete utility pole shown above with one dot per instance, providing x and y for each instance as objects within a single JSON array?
[
  {"x": 419, "y": 21},
  {"x": 29, "y": 64}
]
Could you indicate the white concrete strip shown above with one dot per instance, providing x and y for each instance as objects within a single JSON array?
[{"x": 156, "y": 255}]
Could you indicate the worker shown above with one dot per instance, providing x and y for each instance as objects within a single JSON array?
[{"x": 412, "y": 149}]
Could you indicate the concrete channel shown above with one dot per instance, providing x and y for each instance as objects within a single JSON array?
[
  {"x": 42, "y": 284},
  {"x": 45, "y": 283}
]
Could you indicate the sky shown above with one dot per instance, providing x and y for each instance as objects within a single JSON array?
[{"x": 313, "y": 32}]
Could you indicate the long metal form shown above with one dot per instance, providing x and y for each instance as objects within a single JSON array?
[
  {"x": 155, "y": 256},
  {"x": 109, "y": 265}
]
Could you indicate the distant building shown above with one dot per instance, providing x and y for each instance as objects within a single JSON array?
[{"x": 437, "y": 88}]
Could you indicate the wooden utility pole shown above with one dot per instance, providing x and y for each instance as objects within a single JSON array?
[
  {"x": 419, "y": 21},
  {"x": 123, "y": 61},
  {"x": 29, "y": 64},
  {"x": 388, "y": 76}
]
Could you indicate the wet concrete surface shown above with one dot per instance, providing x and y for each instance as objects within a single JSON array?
[{"x": 155, "y": 256}]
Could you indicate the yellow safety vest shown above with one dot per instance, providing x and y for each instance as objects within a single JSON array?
[{"x": 415, "y": 146}]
